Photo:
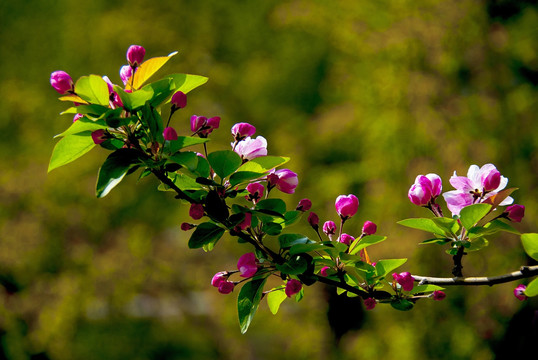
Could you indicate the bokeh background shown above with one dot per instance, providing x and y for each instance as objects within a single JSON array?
[{"x": 364, "y": 95}]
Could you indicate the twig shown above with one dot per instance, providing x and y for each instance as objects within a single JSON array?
[{"x": 524, "y": 272}]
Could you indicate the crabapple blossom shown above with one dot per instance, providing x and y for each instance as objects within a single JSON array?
[
  {"x": 438, "y": 295},
  {"x": 304, "y": 205},
  {"x": 369, "y": 228},
  {"x": 251, "y": 148},
  {"x": 313, "y": 220},
  {"x": 247, "y": 221},
  {"x": 329, "y": 228},
  {"x": 226, "y": 287},
  {"x": 179, "y": 100},
  {"x": 323, "y": 270},
  {"x": 170, "y": 134},
  {"x": 135, "y": 55},
  {"x": 346, "y": 239},
  {"x": 247, "y": 265},
  {"x": 196, "y": 211},
  {"x": 218, "y": 278},
  {"x": 255, "y": 192},
  {"x": 287, "y": 181},
  {"x": 405, "y": 280},
  {"x": 425, "y": 189},
  {"x": 241, "y": 130},
  {"x": 61, "y": 82},
  {"x": 293, "y": 286},
  {"x": 77, "y": 116},
  {"x": 475, "y": 188},
  {"x": 370, "y": 303},
  {"x": 125, "y": 74},
  {"x": 515, "y": 212},
  {"x": 346, "y": 206},
  {"x": 203, "y": 126},
  {"x": 99, "y": 136},
  {"x": 186, "y": 226},
  {"x": 519, "y": 292}
]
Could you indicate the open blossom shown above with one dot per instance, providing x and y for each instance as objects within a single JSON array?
[
  {"x": 247, "y": 265},
  {"x": 99, "y": 136},
  {"x": 346, "y": 206},
  {"x": 241, "y": 130},
  {"x": 125, "y": 73},
  {"x": 346, "y": 239},
  {"x": 247, "y": 221},
  {"x": 329, "y": 228},
  {"x": 475, "y": 188},
  {"x": 519, "y": 292},
  {"x": 135, "y": 55},
  {"x": 293, "y": 287},
  {"x": 61, "y": 82},
  {"x": 204, "y": 126},
  {"x": 369, "y": 303},
  {"x": 255, "y": 192},
  {"x": 515, "y": 212},
  {"x": 287, "y": 181},
  {"x": 405, "y": 280},
  {"x": 77, "y": 116},
  {"x": 251, "y": 148},
  {"x": 425, "y": 189}
]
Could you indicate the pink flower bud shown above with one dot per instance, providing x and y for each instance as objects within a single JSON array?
[
  {"x": 135, "y": 55},
  {"x": 247, "y": 265},
  {"x": 369, "y": 303},
  {"x": 405, "y": 280},
  {"x": 99, "y": 136},
  {"x": 515, "y": 212},
  {"x": 170, "y": 134},
  {"x": 250, "y": 148},
  {"x": 369, "y": 228},
  {"x": 245, "y": 224},
  {"x": 196, "y": 211},
  {"x": 323, "y": 270},
  {"x": 287, "y": 181},
  {"x": 272, "y": 180},
  {"x": 438, "y": 295},
  {"x": 204, "y": 126},
  {"x": 313, "y": 220},
  {"x": 436, "y": 184},
  {"x": 219, "y": 278},
  {"x": 226, "y": 287},
  {"x": 346, "y": 239},
  {"x": 519, "y": 292},
  {"x": 491, "y": 179},
  {"x": 304, "y": 205},
  {"x": 61, "y": 82},
  {"x": 419, "y": 195},
  {"x": 125, "y": 74},
  {"x": 255, "y": 192},
  {"x": 186, "y": 226},
  {"x": 179, "y": 100},
  {"x": 329, "y": 228},
  {"x": 242, "y": 130},
  {"x": 77, "y": 116},
  {"x": 293, "y": 287},
  {"x": 346, "y": 206}
]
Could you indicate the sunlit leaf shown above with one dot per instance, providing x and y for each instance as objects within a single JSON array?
[
  {"x": 114, "y": 169},
  {"x": 71, "y": 148},
  {"x": 147, "y": 69},
  {"x": 530, "y": 244},
  {"x": 472, "y": 214},
  {"x": 205, "y": 233},
  {"x": 532, "y": 288},
  {"x": 248, "y": 301},
  {"x": 224, "y": 162},
  {"x": 274, "y": 299},
  {"x": 92, "y": 89}
]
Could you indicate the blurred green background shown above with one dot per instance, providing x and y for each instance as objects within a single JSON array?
[{"x": 364, "y": 95}]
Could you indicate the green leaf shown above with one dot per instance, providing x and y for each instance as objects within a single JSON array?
[
  {"x": 385, "y": 266},
  {"x": 243, "y": 176},
  {"x": 424, "y": 224},
  {"x": 477, "y": 244},
  {"x": 204, "y": 234},
  {"x": 148, "y": 68},
  {"x": 434, "y": 241},
  {"x": 272, "y": 229},
  {"x": 290, "y": 217},
  {"x": 449, "y": 225},
  {"x": 366, "y": 241},
  {"x": 276, "y": 205},
  {"x": 224, "y": 162},
  {"x": 187, "y": 159},
  {"x": 82, "y": 125},
  {"x": 186, "y": 82},
  {"x": 425, "y": 288},
  {"x": 530, "y": 244},
  {"x": 151, "y": 119},
  {"x": 402, "y": 304},
  {"x": 304, "y": 248},
  {"x": 248, "y": 301},
  {"x": 92, "y": 110},
  {"x": 288, "y": 240},
  {"x": 114, "y": 170},
  {"x": 71, "y": 148},
  {"x": 491, "y": 228},
  {"x": 532, "y": 288},
  {"x": 472, "y": 214},
  {"x": 275, "y": 298},
  {"x": 93, "y": 89},
  {"x": 184, "y": 141},
  {"x": 294, "y": 266},
  {"x": 263, "y": 164}
]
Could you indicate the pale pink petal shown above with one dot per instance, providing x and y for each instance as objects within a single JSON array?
[{"x": 461, "y": 183}]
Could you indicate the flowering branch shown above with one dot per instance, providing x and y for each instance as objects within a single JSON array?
[{"x": 525, "y": 272}]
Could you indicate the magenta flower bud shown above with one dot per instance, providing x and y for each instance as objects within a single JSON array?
[
  {"x": 438, "y": 295},
  {"x": 272, "y": 180},
  {"x": 369, "y": 228},
  {"x": 179, "y": 100},
  {"x": 251, "y": 148},
  {"x": 329, "y": 228},
  {"x": 519, "y": 292},
  {"x": 186, "y": 226},
  {"x": 61, "y": 82},
  {"x": 219, "y": 278},
  {"x": 323, "y": 270},
  {"x": 313, "y": 220},
  {"x": 125, "y": 74},
  {"x": 198, "y": 122},
  {"x": 346, "y": 206},
  {"x": 293, "y": 287},
  {"x": 405, "y": 280},
  {"x": 170, "y": 134},
  {"x": 287, "y": 181},
  {"x": 370, "y": 303},
  {"x": 135, "y": 55},
  {"x": 436, "y": 184},
  {"x": 419, "y": 195},
  {"x": 255, "y": 192},
  {"x": 212, "y": 123},
  {"x": 77, "y": 116},
  {"x": 515, "y": 212},
  {"x": 247, "y": 265},
  {"x": 304, "y": 205},
  {"x": 241, "y": 130},
  {"x": 99, "y": 136},
  {"x": 346, "y": 239},
  {"x": 247, "y": 221},
  {"x": 491, "y": 179},
  {"x": 196, "y": 211},
  {"x": 226, "y": 287}
]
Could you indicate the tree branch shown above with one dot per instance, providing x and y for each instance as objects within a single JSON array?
[
  {"x": 524, "y": 272},
  {"x": 164, "y": 179}
]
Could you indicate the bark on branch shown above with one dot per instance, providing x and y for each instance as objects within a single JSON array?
[{"x": 524, "y": 272}]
